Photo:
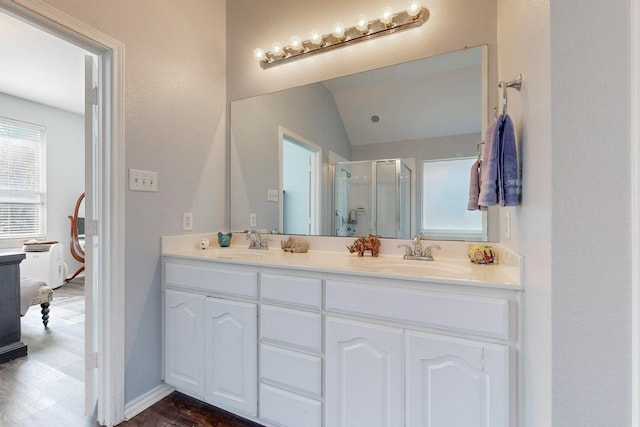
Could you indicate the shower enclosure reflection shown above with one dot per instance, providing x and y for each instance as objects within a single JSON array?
[{"x": 372, "y": 197}]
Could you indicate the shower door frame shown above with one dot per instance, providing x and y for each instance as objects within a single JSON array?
[{"x": 374, "y": 199}]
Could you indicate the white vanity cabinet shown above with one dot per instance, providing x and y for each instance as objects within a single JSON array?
[
  {"x": 287, "y": 347},
  {"x": 183, "y": 341},
  {"x": 291, "y": 324},
  {"x": 231, "y": 354},
  {"x": 456, "y": 382},
  {"x": 384, "y": 371},
  {"x": 364, "y": 374},
  {"x": 211, "y": 335}
]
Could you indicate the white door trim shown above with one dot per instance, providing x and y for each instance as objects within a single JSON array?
[
  {"x": 635, "y": 211},
  {"x": 316, "y": 178},
  {"x": 110, "y": 178}
]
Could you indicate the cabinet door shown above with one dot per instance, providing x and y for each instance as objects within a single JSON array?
[
  {"x": 456, "y": 382},
  {"x": 231, "y": 355},
  {"x": 184, "y": 345},
  {"x": 364, "y": 375}
]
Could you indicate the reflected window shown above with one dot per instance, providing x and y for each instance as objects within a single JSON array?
[{"x": 445, "y": 194}]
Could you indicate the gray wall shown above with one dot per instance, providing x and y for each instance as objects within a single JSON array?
[
  {"x": 524, "y": 48},
  {"x": 573, "y": 125},
  {"x": 175, "y": 125},
  {"x": 452, "y": 26},
  {"x": 591, "y": 171},
  {"x": 65, "y": 163},
  {"x": 309, "y": 112}
]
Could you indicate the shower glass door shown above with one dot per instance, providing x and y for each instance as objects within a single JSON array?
[
  {"x": 387, "y": 213},
  {"x": 372, "y": 197}
]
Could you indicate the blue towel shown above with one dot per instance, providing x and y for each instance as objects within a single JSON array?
[
  {"x": 489, "y": 171},
  {"x": 499, "y": 180},
  {"x": 509, "y": 188}
]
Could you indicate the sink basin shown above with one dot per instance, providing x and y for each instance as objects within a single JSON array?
[
  {"x": 237, "y": 253},
  {"x": 415, "y": 267}
]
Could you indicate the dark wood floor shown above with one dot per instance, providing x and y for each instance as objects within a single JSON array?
[
  {"x": 46, "y": 387},
  {"x": 180, "y": 410}
]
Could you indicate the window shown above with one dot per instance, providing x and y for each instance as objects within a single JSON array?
[
  {"x": 22, "y": 180},
  {"x": 445, "y": 194}
]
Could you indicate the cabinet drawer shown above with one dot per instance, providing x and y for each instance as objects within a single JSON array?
[
  {"x": 291, "y": 327},
  {"x": 292, "y": 290},
  {"x": 289, "y": 409},
  {"x": 217, "y": 280},
  {"x": 292, "y": 369},
  {"x": 477, "y": 315}
]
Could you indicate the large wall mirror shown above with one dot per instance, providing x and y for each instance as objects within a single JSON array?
[{"x": 386, "y": 152}]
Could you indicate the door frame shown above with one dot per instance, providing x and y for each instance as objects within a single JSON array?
[
  {"x": 110, "y": 179},
  {"x": 635, "y": 212},
  {"x": 316, "y": 178}
]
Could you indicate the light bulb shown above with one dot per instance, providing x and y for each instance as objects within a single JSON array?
[
  {"x": 362, "y": 23},
  {"x": 276, "y": 49},
  {"x": 296, "y": 43},
  {"x": 315, "y": 37},
  {"x": 259, "y": 54},
  {"x": 414, "y": 9},
  {"x": 338, "y": 30},
  {"x": 386, "y": 16}
]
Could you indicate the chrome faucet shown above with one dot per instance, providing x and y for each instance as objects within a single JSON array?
[
  {"x": 417, "y": 244},
  {"x": 256, "y": 241},
  {"x": 417, "y": 251}
]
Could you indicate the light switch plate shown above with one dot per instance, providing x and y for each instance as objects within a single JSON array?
[
  {"x": 141, "y": 180},
  {"x": 272, "y": 195}
]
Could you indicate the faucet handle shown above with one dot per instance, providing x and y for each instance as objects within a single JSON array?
[
  {"x": 427, "y": 250},
  {"x": 407, "y": 250}
]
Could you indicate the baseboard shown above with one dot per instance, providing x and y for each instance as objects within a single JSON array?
[{"x": 151, "y": 397}]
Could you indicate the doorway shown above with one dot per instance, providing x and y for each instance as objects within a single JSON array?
[
  {"x": 104, "y": 220},
  {"x": 300, "y": 182}
]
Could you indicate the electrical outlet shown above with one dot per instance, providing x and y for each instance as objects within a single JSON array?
[
  {"x": 187, "y": 221},
  {"x": 252, "y": 219},
  {"x": 141, "y": 180}
]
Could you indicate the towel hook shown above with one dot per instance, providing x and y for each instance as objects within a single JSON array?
[{"x": 515, "y": 83}]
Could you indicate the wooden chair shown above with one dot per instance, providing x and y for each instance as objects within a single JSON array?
[{"x": 74, "y": 244}]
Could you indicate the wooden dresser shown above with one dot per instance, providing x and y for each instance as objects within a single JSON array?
[{"x": 10, "y": 345}]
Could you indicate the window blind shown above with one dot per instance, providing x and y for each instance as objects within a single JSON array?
[{"x": 22, "y": 179}]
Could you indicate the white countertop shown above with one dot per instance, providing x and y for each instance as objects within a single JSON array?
[{"x": 458, "y": 271}]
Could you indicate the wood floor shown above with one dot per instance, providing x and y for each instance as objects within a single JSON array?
[
  {"x": 46, "y": 387},
  {"x": 180, "y": 410}
]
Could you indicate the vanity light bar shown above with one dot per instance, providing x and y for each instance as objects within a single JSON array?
[{"x": 388, "y": 23}]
